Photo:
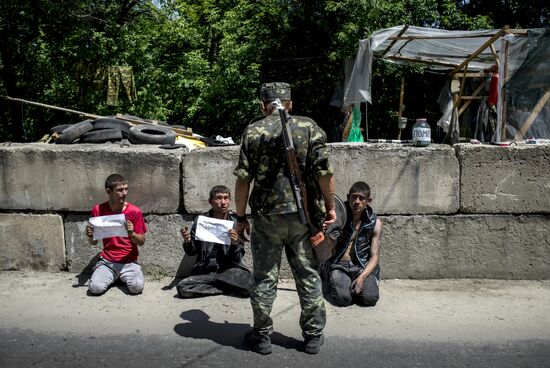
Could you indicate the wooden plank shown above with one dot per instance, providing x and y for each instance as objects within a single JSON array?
[
  {"x": 531, "y": 118},
  {"x": 480, "y": 74},
  {"x": 438, "y": 37},
  {"x": 469, "y": 99},
  {"x": 395, "y": 40},
  {"x": 52, "y": 107},
  {"x": 490, "y": 41},
  {"x": 503, "y": 92},
  {"x": 495, "y": 56},
  {"x": 421, "y": 61},
  {"x": 518, "y": 32}
]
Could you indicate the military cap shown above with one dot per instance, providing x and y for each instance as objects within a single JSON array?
[{"x": 272, "y": 91}]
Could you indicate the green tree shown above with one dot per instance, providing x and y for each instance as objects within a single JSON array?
[{"x": 200, "y": 63}]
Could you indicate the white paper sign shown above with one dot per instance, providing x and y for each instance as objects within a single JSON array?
[
  {"x": 213, "y": 230},
  {"x": 109, "y": 226}
]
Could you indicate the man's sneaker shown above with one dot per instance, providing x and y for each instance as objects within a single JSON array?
[
  {"x": 258, "y": 343},
  {"x": 312, "y": 345}
]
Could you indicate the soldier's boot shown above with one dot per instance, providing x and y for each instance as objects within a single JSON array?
[{"x": 260, "y": 344}]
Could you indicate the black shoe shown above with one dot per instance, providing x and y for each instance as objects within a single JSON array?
[
  {"x": 258, "y": 343},
  {"x": 312, "y": 345}
]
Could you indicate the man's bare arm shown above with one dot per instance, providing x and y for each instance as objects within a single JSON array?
[
  {"x": 357, "y": 285},
  {"x": 326, "y": 184},
  {"x": 139, "y": 239},
  {"x": 242, "y": 188}
]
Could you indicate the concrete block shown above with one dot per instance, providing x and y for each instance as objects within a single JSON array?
[
  {"x": 162, "y": 254},
  {"x": 504, "y": 179},
  {"x": 31, "y": 242},
  {"x": 202, "y": 170},
  {"x": 466, "y": 246},
  {"x": 71, "y": 177},
  {"x": 81, "y": 256},
  {"x": 403, "y": 179}
]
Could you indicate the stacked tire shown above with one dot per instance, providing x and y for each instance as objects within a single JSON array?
[
  {"x": 152, "y": 134},
  {"x": 107, "y": 129}
]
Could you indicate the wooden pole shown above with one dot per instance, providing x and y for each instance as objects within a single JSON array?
[
  {"x": 80, "y": 113},
  {"x": 480, "y": 49},
  {"x": 400, "y": 112},
  {"x": 93, "y": 116},
  {"x": 536, "y": 110},
  {"x": 503, "y": 110}
]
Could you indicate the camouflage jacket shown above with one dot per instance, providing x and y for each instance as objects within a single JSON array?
[{"x": 262, "y": 160}]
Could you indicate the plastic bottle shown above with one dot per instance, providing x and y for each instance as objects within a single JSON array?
[{"x": 421, "y": 133}]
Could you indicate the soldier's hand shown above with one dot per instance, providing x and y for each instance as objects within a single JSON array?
[
  {"x": 243, "y": 230},
  {"x": 330, "y": 218}
]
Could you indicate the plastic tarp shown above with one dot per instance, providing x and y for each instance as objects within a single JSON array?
[
  {"x": 524, "y": 101},
  {"x": 439, "y": 49}
]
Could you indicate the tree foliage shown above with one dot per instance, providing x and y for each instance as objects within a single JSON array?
[{"x": 200, "y": 63}]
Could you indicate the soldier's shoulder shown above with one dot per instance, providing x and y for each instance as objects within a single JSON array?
[
  {"x": 255, "y": 120},
  {"x": 304, "y": 121},
  {"x": 261, "y": 125}
]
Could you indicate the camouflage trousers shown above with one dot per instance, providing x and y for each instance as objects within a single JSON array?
[{"x": 270, "y": 234}]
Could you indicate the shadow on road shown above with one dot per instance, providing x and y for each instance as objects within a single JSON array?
[{"x": 199, "y": 326}]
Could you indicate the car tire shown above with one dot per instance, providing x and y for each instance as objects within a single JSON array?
[
  {"x": 102, "y": 136},
  {"x": 151, "y": 134},
  {"x": 73, "y": 132},
  {"x": 59, "y": 128},
  {"x": 111, "y": 123}
]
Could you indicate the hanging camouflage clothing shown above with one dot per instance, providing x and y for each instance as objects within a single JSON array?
[{"x": 116, "y": 75}]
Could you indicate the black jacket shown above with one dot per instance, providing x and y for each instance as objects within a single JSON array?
[
  {"x": 213, "y": 257},
  {"x": 360, "y": 252}
]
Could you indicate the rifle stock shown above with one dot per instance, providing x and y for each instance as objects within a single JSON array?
[{"x": 297, "y": 184}]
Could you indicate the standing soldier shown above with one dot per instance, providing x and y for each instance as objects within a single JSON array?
[{"x": 274, "y": 213}]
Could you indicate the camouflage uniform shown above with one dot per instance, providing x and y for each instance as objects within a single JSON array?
[
  {"x": 117, "y": 74},
  {"x": 275, "y": 220}
]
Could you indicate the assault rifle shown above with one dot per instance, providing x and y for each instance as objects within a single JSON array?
[{"x": 296, "y": 183}]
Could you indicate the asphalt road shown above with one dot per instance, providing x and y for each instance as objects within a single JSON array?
[{"x": 47, "y": 320}]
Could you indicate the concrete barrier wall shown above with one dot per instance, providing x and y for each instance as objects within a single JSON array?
[
  {"x": 504, "y": 180},
  {"x": 67, "y": 178},
  {"x": 30, "y": 241},
  {"x": 202, "y": 170},
  {"x": 466, "y": 246},
  {"x": 403, "y": 179},
  {"x": 463, "y": 211}
]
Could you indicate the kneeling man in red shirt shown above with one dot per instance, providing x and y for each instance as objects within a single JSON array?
[{"x": 118, "y": 259}]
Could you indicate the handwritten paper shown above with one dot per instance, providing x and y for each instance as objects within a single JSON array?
[
  {"x": 109, "y": 226},
  {"x": 213, "y": 230}
]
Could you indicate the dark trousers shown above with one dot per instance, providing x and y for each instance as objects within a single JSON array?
[
  {"x": 337, "y": 288},
  {"x": 235, "y": 281}
]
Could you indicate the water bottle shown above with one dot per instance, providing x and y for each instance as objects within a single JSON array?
[{"x": 421, "y": 133}]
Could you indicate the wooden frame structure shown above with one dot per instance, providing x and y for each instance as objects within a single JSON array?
[{"x": 459, "y": 74}]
